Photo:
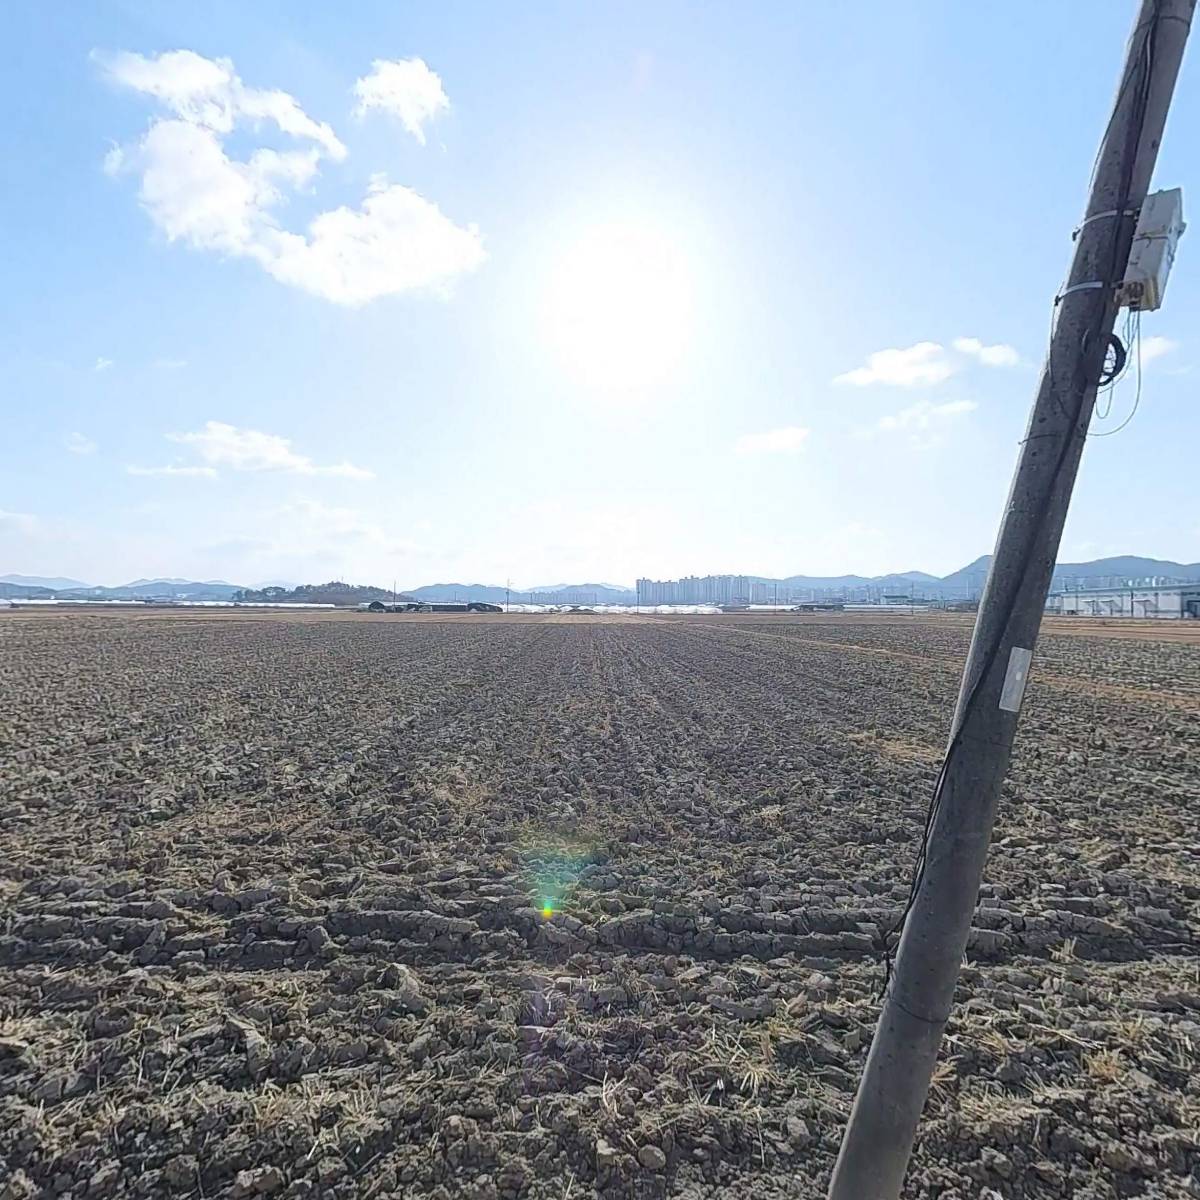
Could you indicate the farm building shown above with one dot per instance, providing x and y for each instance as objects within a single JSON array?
[{"x": 1163, "y": 600}]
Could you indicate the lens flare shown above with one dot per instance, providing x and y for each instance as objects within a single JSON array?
[{"x": 552, "y": 863}]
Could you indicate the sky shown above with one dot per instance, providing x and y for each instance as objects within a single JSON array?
[{"x": 558, "y": 293}]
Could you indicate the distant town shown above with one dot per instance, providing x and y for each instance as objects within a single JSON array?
[{"x": 734, "y": 590}]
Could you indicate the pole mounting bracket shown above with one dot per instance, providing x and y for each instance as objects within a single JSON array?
[
  {"x": 1100, "y": 216},
  {"x": 1080, "y": 287}
]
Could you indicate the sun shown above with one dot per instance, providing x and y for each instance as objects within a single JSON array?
[{"x": 618, "y": 311}]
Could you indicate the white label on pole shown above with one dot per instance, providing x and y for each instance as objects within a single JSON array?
[{"x": 1014, "y": 679}]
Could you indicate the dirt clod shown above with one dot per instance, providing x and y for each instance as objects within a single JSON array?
[{"x": 652, "y": 1158}]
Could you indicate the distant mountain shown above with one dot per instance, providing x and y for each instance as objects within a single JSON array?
[
  {"x": 588, "y": 593},
  {"x": 1127, "y": 566},
  {"x": 569, "y": 587},
  {"x": 141, "y": 583},
  {"x": 335, "y": 592},
  {"x": 21, "y": 591},
  {"x": 153, "y": 589},
  {"x": 1099, "y": 572},
  {"x": 42, "y": 581},
  {"x": 441, "y": 593},
  {"x": 822, "y": 580},
  {"x": 968, "y": 580}
]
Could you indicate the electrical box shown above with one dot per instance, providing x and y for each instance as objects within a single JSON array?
[{"x": 1150, "y": 258}]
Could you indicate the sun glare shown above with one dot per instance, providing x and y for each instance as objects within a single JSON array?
[{"x": 619, "y": 307}]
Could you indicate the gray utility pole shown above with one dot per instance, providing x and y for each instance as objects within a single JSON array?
[{"x": 917, "y": 1005}]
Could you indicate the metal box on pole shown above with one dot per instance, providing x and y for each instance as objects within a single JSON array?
[{"x": 1160, "y": 225}]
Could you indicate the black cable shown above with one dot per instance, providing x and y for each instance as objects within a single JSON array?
[
  {"x": 1082, "y": 384},
  {"x": 1130, "y": 334},
  {"x": 1111, "y": 374},
  {"x": 1137, "y": 395}
]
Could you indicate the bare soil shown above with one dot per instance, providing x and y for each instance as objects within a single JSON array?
[{"x": 328, "y": 905}]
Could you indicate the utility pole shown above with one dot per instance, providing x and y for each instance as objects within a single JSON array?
[
  {"x": 507, "y": 587},
  {"x": 878, "y": 1140}
]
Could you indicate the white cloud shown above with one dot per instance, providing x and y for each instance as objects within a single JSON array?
[
  {"x": 171, "y": 469},
  {"x": 306, "y": 540},
  {"x": 193, "y": 192},
  {"x": 324, "y": 523},
  {"x": 406, "y": 88},
  {"x": 77, "y": 443},
  {"x": 924, "y": 416},
  {"x": 999, "y": 355},
  {"x": 924, "y": 363},
  {"x": 396, "y": 241},
  {"x": 102, "y": 364},
  {"x": 208, "y": 93},
  {"x": 16, "y": 522},
  {"x": 1155, "y": 347},
  {"x": 222, "y": 445},
  {"x": 788, "y": 440}
]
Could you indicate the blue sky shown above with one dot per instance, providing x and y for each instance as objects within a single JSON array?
[{"x": 556, "y": 292}]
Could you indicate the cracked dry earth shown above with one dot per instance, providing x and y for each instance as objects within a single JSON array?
[{"x": 338, "y": 906}]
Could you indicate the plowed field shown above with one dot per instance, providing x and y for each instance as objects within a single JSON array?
[{"x": 339, "y": 906}]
